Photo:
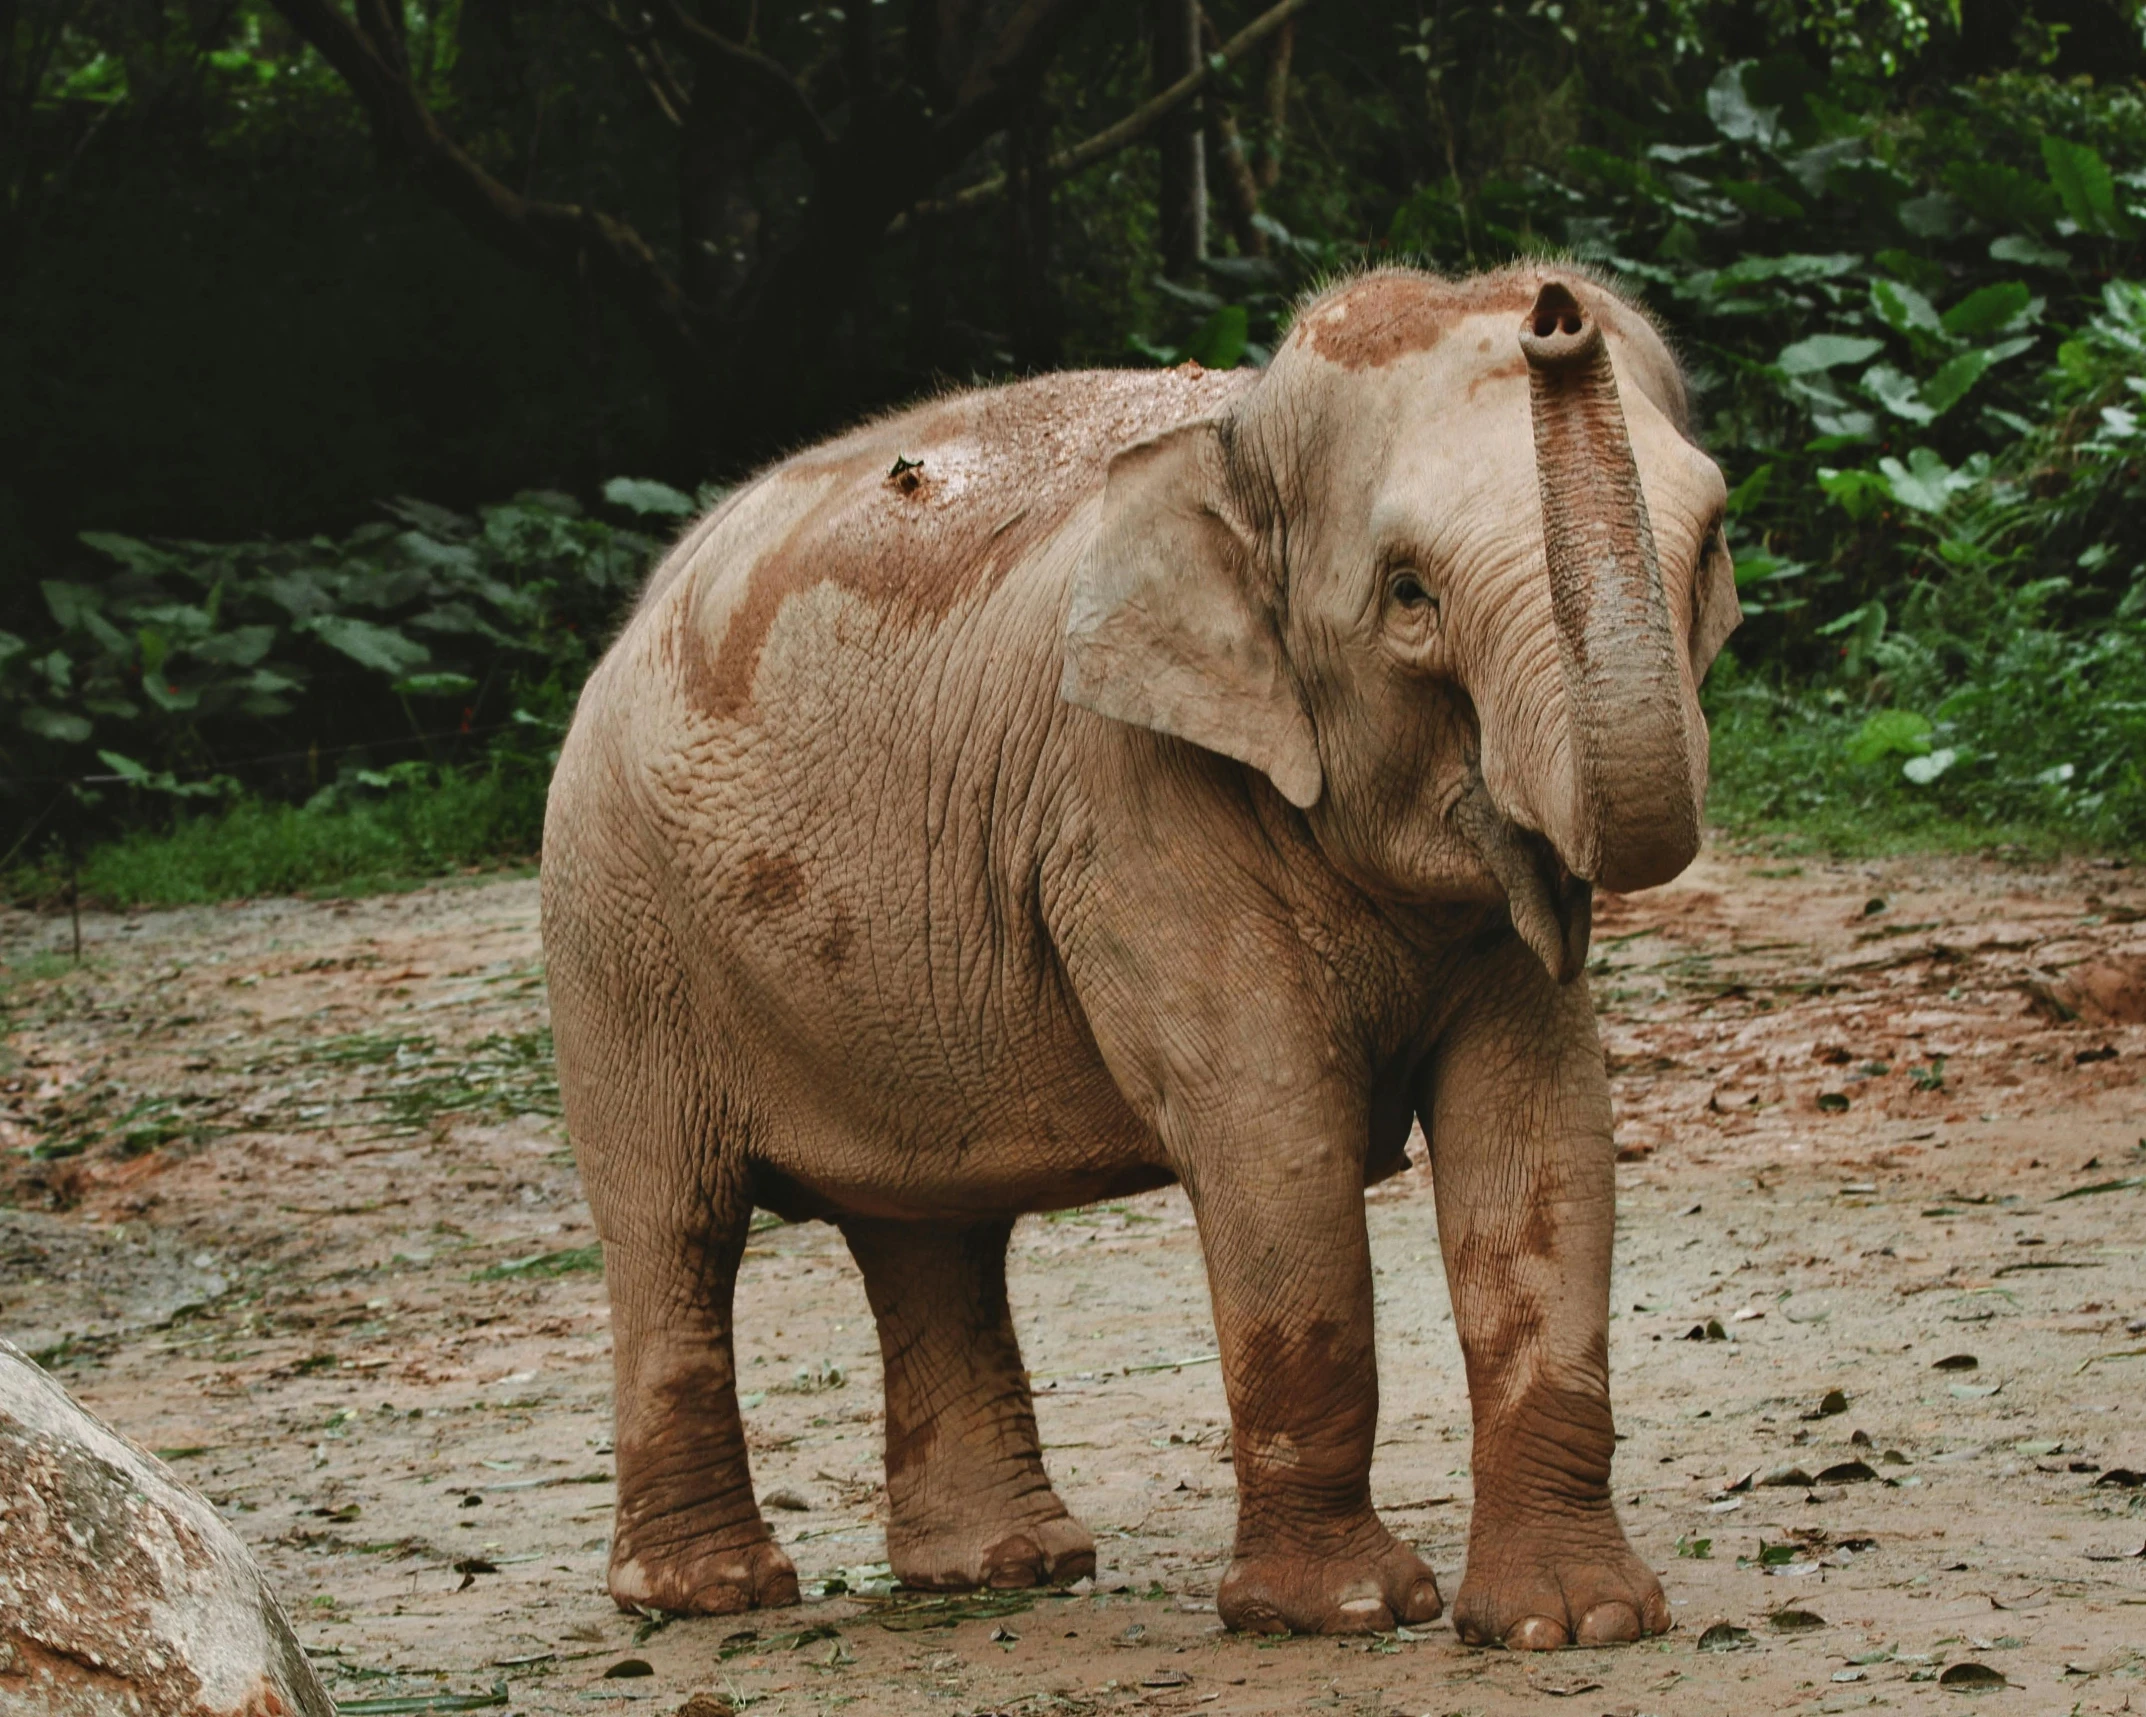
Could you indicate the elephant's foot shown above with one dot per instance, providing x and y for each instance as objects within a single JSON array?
[
  {"x": 1538, "y": 1585},
  {"x": 1355, "y": 1582},
  {"x": 974, "y": 1545},
  {"x": 703, "y": 1580}
]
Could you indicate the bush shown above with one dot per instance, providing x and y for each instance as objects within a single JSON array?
[{"x": 352, "y": 675}]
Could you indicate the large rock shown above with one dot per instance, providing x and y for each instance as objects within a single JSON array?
[{"x": 122, "y": 1593}]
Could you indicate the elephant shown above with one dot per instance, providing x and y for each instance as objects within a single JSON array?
[{"x": 1064, "y": 789}]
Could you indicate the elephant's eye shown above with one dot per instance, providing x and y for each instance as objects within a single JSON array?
[{"x": 1409, "y": 592}]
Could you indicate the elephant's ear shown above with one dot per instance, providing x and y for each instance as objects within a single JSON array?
[
  {"x": 1715, "y": 610},
  {"x": 1169, "y": 627}
]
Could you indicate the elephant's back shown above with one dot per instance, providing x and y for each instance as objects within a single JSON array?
[{"x": 890, "y": 533}]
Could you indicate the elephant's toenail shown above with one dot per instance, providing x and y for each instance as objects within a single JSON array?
[
  {"x": 1609, "y": 1624},
  {"x": 1362, "y": 1606},
  {"x": 1536, "y": 1633},
  {"x": 1424, "y": 1604}
]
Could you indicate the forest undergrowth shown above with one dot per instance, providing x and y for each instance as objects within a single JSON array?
[{"x": 1912, "y": 315}]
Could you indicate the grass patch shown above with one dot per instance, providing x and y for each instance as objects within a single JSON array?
[
  {"x": 575, "y": 1260},
  {"x": 413, "y": 835},
  {"x": 1783, "y": 780}
]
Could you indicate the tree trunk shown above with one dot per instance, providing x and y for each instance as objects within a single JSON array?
[
  {"x": 1032, "y": 295},
  {"x": 718, "y": 222},
  {"x": 1183, "y": 199},
  {"x": 1225, "y": 151}
]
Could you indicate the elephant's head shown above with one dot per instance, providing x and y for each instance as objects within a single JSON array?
[{"x": 1450, "y": 574}]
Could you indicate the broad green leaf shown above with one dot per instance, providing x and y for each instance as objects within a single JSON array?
[
  {"x": 1933, "y": 216},
  {"x": 456, "y": 617},
  {"x": 1897, "y": 393},
  {"x": 1920, "y": 270},
  {"x": 1890, "y": 733},
  {"x": 2003, "y": 196},
  {"x": 377, "y": 647},
  {"x": 1749, "y": 493},
  {"x": 1761, "y": 200},
  {"x": 241, "y": 647},
  {"x": 424, "y": 516},
  {"x": 1944, "y": 390},
  {"x": 1734, "y": 114},
  {"x": 71, "y": 605},
  {"x": 1987, "y": 309},
  {"x": 168, "y": 696},
  {"x": 1925, "y": 483},
  {"x": 1219, "y": 344},
  {"x": 10, "y": 647},
  {"x": 1841, "y": 428},
  {"x": 1797, "y": 266},
  {"x": 647, "y": 497},
  {"x": 2082, "y": 179},
  {"x": 1825, "y": 351},
  {"x": 302, "y": 595},
  {"x": 2028, "y": 252},
  {"x": 131, "y": 552},
  {"x": 60, "y": 725},
  {"x": 436, "y": 685},
  {"x": 120, "y": 765},
  {"x": 1763, "y": 568},
  {"x": 1860, "y": 493},
  {"x": 1904, "y": 309},
  {"x": 430, "y": 551},
  {"x": 1926, "y": 769},
  {"x": 1859, "y": 180}
]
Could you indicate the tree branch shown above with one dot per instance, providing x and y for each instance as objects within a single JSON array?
[
  {"x": 663, "y": 87},
  {"x": 1277, "y": 94},
  {"x": 712, "y": 47},
  {"x": 560, "y": 237},
  {"x": 998, "y": 81},
  {"x": 1136, "y": 124}
]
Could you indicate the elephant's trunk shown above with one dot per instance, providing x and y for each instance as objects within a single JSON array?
[{"x": 1638, "y": 752}]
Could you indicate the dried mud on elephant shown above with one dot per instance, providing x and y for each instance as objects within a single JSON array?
[{"x": 291, "y": 1205}]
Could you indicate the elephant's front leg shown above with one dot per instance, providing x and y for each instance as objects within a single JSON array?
[
  {"x": 1279, "y": 1192},
  {"x": 1518, "y": 1116}
]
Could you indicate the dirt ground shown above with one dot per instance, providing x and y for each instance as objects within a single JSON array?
[{"x": 292, "y": 1206}]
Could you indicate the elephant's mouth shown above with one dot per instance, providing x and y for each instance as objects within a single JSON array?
[{"x": 1552, "y": 910}]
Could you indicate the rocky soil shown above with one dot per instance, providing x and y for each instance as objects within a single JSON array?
[{"x": 284, "y": 1196}]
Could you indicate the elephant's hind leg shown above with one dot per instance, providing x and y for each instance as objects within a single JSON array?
[
  {"x": 688, "y": 1535},
  {"x": 673, "y": 1207},
  {"x": 969, "y": 1503}
]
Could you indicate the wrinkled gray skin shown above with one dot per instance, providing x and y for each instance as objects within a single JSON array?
[{"x": 1124, "y": 778}]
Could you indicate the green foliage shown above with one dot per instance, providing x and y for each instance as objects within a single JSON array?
[
  {"x": 333, "y": 669},
  {"x": 2008, "y": 672},
  {"x": 436, "y": 825},
  {"x": 1896, "y": 256}
]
